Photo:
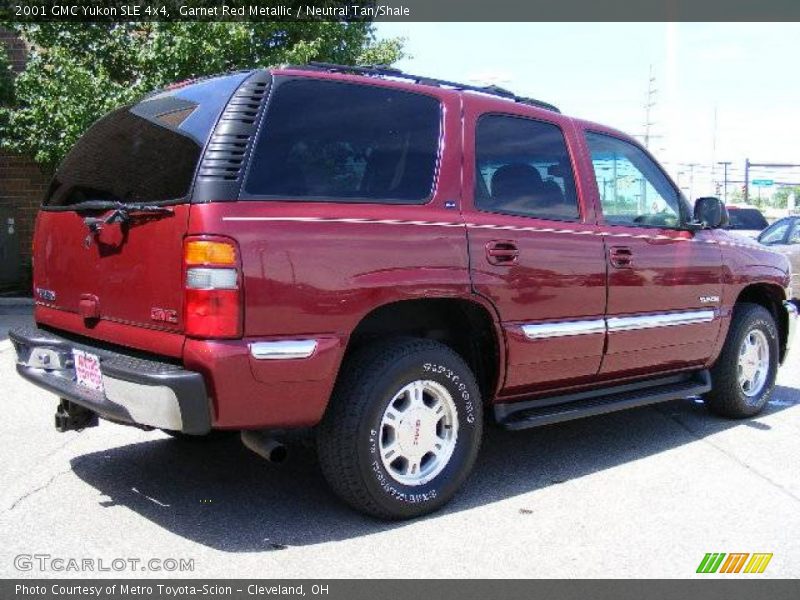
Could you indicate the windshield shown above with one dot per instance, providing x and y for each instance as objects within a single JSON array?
[
  {"x": 746, "y": 218},
  {"x": 145, "y": 152}
]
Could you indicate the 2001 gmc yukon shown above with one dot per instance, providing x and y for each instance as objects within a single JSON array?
[{"x": 387, "y": 260}]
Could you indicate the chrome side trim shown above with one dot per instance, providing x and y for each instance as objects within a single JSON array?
[
  {"x": 689, "y": 317},
  {"x": 540, "y": 331},
  {"x": 283, "y": 349}
]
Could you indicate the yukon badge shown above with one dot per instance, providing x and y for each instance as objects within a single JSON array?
[
  {"x": 46, "y": 295},
  {"x": 163, "y": 315},
  {"x": 709, "y": 299}
]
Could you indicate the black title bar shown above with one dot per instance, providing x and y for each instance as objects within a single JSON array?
[{"x": 400, "y": 10}]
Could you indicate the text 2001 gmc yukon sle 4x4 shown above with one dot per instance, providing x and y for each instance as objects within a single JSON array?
[{"x": 387, "y": 261}]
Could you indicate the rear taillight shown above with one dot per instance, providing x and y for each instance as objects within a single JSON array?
[{"x": 213, "y": 306}]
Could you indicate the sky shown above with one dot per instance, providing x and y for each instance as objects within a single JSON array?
[{"x": 748, "y": 74}]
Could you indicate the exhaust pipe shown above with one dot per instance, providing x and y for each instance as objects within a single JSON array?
[{"x": 265, "y": 446}]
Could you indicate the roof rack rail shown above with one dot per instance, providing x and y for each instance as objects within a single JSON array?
[{"x": 387, "y": 71}]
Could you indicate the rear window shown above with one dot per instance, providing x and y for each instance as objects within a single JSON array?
[
  {"x": 325, "y": 140},
  {"x": 146, "y": 152},
  {"x": 746, "y": 218}
]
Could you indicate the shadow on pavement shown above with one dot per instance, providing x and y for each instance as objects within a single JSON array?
[
  {"x": 221, "y": 495},
  {"x": 13, "y": 316}
]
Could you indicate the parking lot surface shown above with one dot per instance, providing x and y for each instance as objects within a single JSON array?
[{"x": 642, "y": 493}]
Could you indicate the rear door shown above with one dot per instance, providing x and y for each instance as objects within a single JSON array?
[
  {"x": 664, "y": 282},
  {"x": 534, "y": 249},
  {"x": 108, "y": 242}
]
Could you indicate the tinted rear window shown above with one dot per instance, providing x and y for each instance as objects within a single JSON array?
[
  {"x": 746, "y": 218},
  {"x": 146, "y": 152},
  {"x": 326, "y": 140}
]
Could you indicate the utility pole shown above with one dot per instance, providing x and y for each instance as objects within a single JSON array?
[
  {"x": 648, "y": 105},
  {"x": 714, "y": 149},
  {"x": 725, "y": 164},
  {"x": 746, "y": 180}
]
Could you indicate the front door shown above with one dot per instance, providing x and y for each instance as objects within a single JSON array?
[
  {"x": 534, "y": 249},
  {"x": 664, "y": 281}
]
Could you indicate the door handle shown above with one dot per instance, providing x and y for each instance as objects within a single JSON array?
[
  {"x": 502, "y": 252},
  {"x": 621, "y": 257}
]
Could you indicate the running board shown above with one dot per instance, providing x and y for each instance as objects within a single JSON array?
[{"x": 544, "y": 411}]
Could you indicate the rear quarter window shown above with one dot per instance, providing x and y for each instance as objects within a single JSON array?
[{"x": 334, "y": 141}]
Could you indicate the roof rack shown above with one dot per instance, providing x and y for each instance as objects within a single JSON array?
[{"x": 387, "y": 71}]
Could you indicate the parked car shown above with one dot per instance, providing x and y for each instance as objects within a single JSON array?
[
  {"x": 387, "y": 261},
  {"x": 784, "y": 236},
  {"x": 746, "y": 221}
]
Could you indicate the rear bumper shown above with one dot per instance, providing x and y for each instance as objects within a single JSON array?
[{"x": 136, "y": 390}]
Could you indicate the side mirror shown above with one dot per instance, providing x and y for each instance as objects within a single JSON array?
[{"x": 711, "y": 212}]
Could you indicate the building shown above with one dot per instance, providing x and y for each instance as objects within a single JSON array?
[{"x": 22, "y": 185}]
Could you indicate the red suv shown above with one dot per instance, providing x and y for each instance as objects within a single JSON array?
[{"x": 387, "y": 261}]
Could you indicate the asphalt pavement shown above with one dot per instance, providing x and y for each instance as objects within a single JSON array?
[{"x": 642, "y": 493}]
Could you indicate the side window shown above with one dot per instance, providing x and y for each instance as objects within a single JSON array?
[
  {"x": 775, "y": 234},
  {"x": 633, "y": 189},
  {"x": 794, "y": 237},
  {"x": 325, "y": 140},
  {"x": 523, "y": 168}
]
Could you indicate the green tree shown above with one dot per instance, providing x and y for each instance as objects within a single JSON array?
[
  {"x": 79, "y": 71},
  {"x": 781, "y": 198}
]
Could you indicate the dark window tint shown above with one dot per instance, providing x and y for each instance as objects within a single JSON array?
[
  {"x": 523, "y": 168},
  {"x": 746, "y": 218},
  {"x": 146, "y": 152},
  {"x": 334, "y": 141}
]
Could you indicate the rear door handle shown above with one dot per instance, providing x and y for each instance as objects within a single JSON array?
[
  {"x": 502, "y": 252},
  {"x": 621, "y": 257}
]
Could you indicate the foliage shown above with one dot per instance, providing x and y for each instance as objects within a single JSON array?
[
  {"x": 777, "y": 199},
  {"x": 780, "y": 199},
  {"x": 79, "y": 71}
]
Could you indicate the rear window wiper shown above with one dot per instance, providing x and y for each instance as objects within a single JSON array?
[{"x": 120, "y": 213}]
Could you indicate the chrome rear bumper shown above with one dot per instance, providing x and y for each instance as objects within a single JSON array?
[{"x": 137, "y": 391}]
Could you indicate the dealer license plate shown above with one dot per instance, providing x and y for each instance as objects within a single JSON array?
[{"x": 87, "y": 370}]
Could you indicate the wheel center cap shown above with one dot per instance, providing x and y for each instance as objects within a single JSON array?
[
  {"x": 749, "y": 364},
  {"x": 416, "y": 432}
]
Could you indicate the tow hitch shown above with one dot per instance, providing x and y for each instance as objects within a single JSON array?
[{"x": 74, "y": 417}]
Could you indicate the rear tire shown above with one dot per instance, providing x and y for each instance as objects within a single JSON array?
[
  {"x": 402, "y": 430},
  {"x": 744, "y": 375}
]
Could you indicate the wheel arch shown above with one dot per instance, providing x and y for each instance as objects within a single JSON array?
[
  {"x": 466, "y": 325},
  {"x": 771, "y": 297}
]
